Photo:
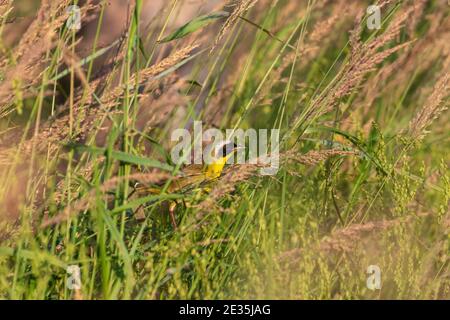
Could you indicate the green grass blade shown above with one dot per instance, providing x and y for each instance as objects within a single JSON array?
[
  {"x": 122, "y": 156},
  {"x": 195, "y": 25}
]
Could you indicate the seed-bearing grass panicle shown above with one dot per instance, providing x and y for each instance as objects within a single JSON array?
[
  {"x": 5, "y": 9},
  {"x": 51, "y": 136},
  {"x": 315, "y": 157},
  {"x": 347, "y": 239},
  {"x": 364, "y": 58},
  {"x": 323, "y": 32},
  {"x": 240, "y": 173},
  {"x": 240, "y": 7},
  {"x": 433, "y": 107},
  {"x": 419, "y": 57}
]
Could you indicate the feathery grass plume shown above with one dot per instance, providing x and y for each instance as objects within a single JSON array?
[
  {"x": 226, "y": 184},
  {"x": 314, "y": 157},
  {"x": 322, "y": 33},
  {"x": 72, "y": 61},
  {"x": 276, "y": 77},
  {"x": 155, "y": 111},
  {"x": 5, "y": 156},
  {"x": 234, "y": 232},
  {"x": 239, "y": 173},
  {"x": 143, "y": 76},
  {"x": 416, "y": 14},
  {"x": 5, "y": 8},
  {"x": 241, "y": 7},
  {"x": 28, "y": 56},
  {"x": 57, "y": 129},
  {"x": 53, "y": 133},
  {"x": 90, "y": 198},
  {"x": 291, "y": 10},
  {"x": 61, "y": 191},
  {"x": 434, "y": 106},
  {"x": 348, "y": 238},
  {"x": 324, "y": 27},
  {"x": 364, "y": 57},
  {"x": 52, "y": 15}
]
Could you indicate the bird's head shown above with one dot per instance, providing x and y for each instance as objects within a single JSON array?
[
  {"x": 226, "y": 149},
  {"x": 220, "y": 154}
]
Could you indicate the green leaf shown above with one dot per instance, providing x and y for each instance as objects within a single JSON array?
[
  {"x": 195, "y": 25},
  {"x": 117, "y": 237},
  {"x": 122, "y": 156}
]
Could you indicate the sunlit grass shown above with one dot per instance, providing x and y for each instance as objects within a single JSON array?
[{"x": 309, "y": 232}]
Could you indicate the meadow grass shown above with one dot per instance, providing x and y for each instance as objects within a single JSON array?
[{"x": 363, "y": 180}]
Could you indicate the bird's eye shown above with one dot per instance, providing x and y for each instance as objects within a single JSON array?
[
  {"x": 225, "y": 150},
  {"x": 228, "y": 148}
]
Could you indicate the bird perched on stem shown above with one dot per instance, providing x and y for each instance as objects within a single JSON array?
[{"x": 195, "y": 176}]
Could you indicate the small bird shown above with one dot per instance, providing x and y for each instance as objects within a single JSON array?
[{"x": 195, "y": 176}]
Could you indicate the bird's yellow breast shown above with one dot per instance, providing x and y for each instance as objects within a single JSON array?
[{"x": 214, "y": 169}]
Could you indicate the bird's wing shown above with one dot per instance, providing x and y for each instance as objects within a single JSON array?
[
  {"x": 192, "y": 176},
  {"x": 193, "y": 169}
]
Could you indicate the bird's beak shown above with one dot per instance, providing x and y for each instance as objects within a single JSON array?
[{"x": 235, "y": 150}]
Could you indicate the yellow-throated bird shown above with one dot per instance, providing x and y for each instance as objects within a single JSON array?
[{"x": 194, "y": 176}]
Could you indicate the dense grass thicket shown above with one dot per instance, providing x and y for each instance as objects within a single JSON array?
[{"x": 87, "y": 115}]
